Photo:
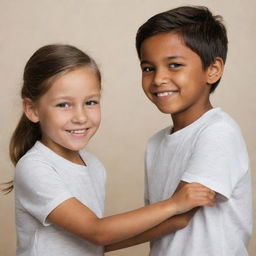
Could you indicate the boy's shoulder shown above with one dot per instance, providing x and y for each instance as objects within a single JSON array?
[
  {"x": 217, "y": 120},
  {"x": 159, "y": 135},
  {"x": 213, "y": 121}
]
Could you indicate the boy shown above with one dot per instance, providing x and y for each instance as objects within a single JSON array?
[{"x": 182, "y": 54}]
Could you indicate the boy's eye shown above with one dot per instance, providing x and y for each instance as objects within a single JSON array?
[
  {"x": 147, "y": 69},
  {"x": 63, "y": 105},
  {"x": 91, "y": 102},
  {"x": 174, "y": 65}
]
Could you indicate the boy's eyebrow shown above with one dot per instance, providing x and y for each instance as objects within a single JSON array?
[
  {"x": 166, "y": 58},
  {"x": 175, "y": 57}
]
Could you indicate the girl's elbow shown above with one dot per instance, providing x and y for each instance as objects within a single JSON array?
[
  {"x": 101, "y": 240},
  {"x": 99, "y": 234}
]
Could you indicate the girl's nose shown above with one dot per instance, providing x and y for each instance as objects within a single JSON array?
[
  {"x": 79, "y": 116},
  {"x": 161, "y": 77}
]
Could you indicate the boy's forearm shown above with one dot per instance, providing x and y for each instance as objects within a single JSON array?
[{"x": 173, "y": 224}]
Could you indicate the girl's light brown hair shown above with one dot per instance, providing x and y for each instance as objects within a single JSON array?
[{"x": 44, "y": 66}]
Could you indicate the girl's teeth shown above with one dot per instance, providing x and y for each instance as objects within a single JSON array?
[{"x": 77, "y": 131}]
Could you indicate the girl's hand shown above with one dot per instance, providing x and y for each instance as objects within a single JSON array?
[{"x": 192, "y": 195}]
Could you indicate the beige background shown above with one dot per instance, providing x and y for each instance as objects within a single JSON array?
[{"x": 106, "y": 30}]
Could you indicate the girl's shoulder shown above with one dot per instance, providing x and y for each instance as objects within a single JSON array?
[
  {"x": 88, "y": 157},
  {"x": 93, "y": 162},
  {"x": 32, "y": 156}
]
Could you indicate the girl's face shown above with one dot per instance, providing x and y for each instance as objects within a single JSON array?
[{"x": 69, "y": 112}]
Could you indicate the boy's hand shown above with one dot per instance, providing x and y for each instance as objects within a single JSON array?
[{"x": 192, "y": 195}]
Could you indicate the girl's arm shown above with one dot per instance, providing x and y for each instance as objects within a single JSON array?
[
  {"x": 169, "y": 226},
  {"x": 78, "y": 219}
]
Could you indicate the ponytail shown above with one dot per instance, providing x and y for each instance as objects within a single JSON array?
[{"x": 24, "y": 137}]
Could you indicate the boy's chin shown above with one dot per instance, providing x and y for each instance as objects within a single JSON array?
[{"x": 164, "y": 110}]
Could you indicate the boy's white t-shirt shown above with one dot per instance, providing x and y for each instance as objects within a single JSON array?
[
  {"x": 210, "y": 151},
  {"x": 43, "y": 180}
]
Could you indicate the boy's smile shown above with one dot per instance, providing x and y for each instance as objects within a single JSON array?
[{"x": 173, "y": 78}]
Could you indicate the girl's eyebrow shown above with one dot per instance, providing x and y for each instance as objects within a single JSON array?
[
  {"x": 64, "y": 97},
  {"x": 93, "y": 95}
]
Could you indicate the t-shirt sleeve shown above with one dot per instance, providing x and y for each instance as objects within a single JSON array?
[
  {"x": 219, "y": 160},
  {"x": 39, "y": 189}
]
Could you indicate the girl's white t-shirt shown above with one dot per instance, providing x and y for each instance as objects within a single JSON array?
[{"x": 43, "y": 180}]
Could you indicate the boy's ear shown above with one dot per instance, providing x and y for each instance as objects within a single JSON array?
[
  {"x": 30, "y": 110},
  {"x": 215, "y": 71}
]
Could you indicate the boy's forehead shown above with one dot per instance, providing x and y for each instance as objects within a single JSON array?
[{"x": 164, "y": 45}]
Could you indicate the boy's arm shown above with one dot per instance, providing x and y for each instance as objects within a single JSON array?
[
  {"x": 173, "y": 224},
  {"x": 169, "y": 226}
]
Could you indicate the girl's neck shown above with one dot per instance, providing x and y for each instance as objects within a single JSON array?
[{"x": 72, "y": 156}]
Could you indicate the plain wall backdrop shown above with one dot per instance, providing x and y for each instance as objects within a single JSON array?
[{"x": 106, "y": 30}]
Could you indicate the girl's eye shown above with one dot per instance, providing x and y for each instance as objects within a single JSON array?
[
  {"x": 63, "y": 105},
  {"x": 175, "y": 65},
  {"x": 91, "y": 102},
  {"x": 147, "y": 69}
]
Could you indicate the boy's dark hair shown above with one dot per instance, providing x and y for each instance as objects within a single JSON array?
[{"x": 202, "y": 32}]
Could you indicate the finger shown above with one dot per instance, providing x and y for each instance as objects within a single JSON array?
[
  {"x": 201, "y": 197},
  {"x": 206, "y": 202},
  {"x": 199, "y": 187},
  {"x": 205, "y": 195}
]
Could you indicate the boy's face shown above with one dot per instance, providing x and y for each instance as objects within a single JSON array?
[{"x": 173, "y": 77}]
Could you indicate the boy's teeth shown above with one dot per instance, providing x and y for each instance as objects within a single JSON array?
[{"x": 161, "y": 94}]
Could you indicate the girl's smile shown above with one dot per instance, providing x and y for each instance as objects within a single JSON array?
[
  {"x": 80, "y": 132},
  {"x": 69, "y": 112}
]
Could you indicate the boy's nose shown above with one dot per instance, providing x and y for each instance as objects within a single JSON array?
[
  {"x": 79, "y": 116},
  {"x": 161, "y": 77}
]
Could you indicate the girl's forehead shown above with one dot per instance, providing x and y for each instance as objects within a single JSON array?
[{"x": 75, "y": 83}]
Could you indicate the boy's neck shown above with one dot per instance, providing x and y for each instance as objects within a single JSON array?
[{"x": 181, "y": 120}]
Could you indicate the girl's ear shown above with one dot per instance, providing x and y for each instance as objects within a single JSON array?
[
  {"x": 215, "y": 71},
  {"x": 30, "y": 110}
]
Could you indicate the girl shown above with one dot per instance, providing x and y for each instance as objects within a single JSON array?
[{"x": 59, "y": 188}]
